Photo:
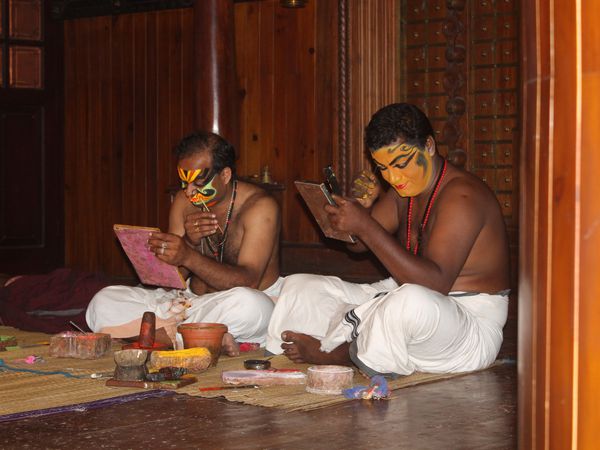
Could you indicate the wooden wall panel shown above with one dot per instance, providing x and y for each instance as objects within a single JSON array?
[
  {"x": 127, "y": 103},
  {"x": 287, "y": 71},
  {"x": 290, "y": 66},
  {"x": 310, "y": 79},
  {"x": 124, "y": 120}
]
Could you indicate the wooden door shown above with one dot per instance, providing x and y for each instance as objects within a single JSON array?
[
  {"x": 31, "y": 163},
  {"x": 559, "y": 287}
]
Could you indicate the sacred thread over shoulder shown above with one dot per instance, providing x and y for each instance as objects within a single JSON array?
[
  {"x": 316, "y": 197},
  {"x": 149, "y": 268}
]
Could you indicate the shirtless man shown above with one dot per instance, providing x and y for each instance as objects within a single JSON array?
[
  {"x": 224, "y": 235},
  {"x": 440, "y": 234}
]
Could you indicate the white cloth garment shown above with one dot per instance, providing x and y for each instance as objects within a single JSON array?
[
  {"x": 245, "y": 311},
  {"x": 393, "y": 329}
]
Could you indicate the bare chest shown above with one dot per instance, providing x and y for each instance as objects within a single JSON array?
[
  {"x": 224, "y": 247},
  {"x": 415, "y": 222}
]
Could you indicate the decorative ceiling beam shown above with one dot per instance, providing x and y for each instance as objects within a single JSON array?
[{"x": 75, "y": 9}]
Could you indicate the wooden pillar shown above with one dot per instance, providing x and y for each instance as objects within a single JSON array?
[
  {"x": 369, "y": 72},
  {"x": 559, "y": 287},
  {"x": 217, "y": 105}
]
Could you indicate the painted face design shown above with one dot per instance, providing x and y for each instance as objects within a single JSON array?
[
  {"x": 407, "y": 168},
  {"x": 200, "y": 179}
]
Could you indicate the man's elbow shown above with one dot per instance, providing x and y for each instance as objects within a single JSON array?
[
  {"x": 250, "y": 280},
  {"x": 252, "y": 284},
  {"x": 356, "y": 248}
]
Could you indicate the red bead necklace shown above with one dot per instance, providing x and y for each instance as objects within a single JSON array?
[{"x": 425, "y": 219}]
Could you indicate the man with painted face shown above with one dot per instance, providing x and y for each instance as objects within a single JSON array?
[
  {"x": 439, "y": 232},
  {"x": 223, "y": 235}
]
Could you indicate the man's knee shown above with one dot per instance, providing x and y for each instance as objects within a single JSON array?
[
  {"x": 300, "y": 281},
  {"x": 302, "y": 288},
  {"x": 96, "y": 306},
  {"x": 411, "y": 304},
  {"x": 250, "y": 304},
  {"x": 104, "y": 295},
  {"x": 104, "y": 303}
]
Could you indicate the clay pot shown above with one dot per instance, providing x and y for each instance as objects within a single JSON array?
[{"x": 208, "y": 335}]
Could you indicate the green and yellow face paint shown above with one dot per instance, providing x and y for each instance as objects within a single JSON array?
[
  {"x": 198, "y": 186},
  {"x": 407, "y": 168}
]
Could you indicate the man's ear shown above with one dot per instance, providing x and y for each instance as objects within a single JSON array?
[
  {"x": 430, "y": 145},
  {"x": 226, "y": 175}
]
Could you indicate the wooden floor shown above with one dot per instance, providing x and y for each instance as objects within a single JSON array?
[{"x": 476, "y": 411}]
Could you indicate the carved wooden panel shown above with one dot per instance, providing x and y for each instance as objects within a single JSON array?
[
  {"x": 466, "y": 82},
  {"x": 494, "y": 97},
  {"x": 31, "y": 121},
  {"x": 472, "y": 94},
  {"x": 25, "y": 19},
  {"x": 25, "y": 67},
  {"x": 434, "y": 82}
]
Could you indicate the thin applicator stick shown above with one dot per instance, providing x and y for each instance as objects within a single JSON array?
[{"x": 208, "y": 210}]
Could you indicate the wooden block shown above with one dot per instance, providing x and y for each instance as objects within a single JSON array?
[{"x": 70, "y": 344}]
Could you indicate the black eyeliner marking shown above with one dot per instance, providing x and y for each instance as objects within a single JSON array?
[{"x": 404, "y": 163}]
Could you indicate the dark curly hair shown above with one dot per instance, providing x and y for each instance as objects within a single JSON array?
[
  {"x": 223, "y": 153},
  {"x": 398, "y": 120}
]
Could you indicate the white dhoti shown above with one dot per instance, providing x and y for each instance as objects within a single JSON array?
[
  {"x": 406, "y": 329},
  {"x": 245, "y": 311}
]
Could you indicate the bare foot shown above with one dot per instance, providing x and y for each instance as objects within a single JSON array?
[
  {"x": 302, "y": 348},
  {"x": 230, "y": 346}
]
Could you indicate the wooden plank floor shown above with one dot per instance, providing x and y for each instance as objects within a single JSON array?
[{"x": 476, "y": 411}]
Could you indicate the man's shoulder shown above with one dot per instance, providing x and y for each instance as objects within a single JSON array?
[
  {"x": 467, "y": 191},
  {"x": 464, "y": 183},
  {"x": 254, "y": 199}
]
